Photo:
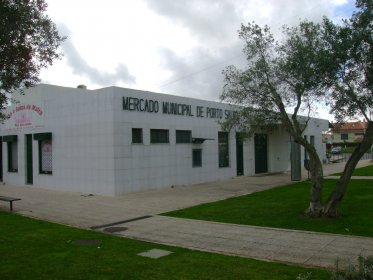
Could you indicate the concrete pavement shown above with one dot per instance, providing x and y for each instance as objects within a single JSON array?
[
  {"x": 84, "y": 210},
  {"x": 289, "y": 246}
]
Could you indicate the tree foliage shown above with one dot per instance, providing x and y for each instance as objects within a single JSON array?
[
  {"x": 29, "y": 41},
  {"x": 286, "y": 77},
  {"x": 351, "y": 84},
  {"x": 351, "y": 48},
  {"x": 281, "y": 76}
]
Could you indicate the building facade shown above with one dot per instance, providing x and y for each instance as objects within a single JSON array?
[
  {"x": 349, "y": 132},
  {"x": 114, "y": 141}
]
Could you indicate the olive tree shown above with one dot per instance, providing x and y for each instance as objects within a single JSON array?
[
  {"x": 351, "y": 84},
  {"x": 286, "y": 78},
  {"x": 282, "y": 80}
]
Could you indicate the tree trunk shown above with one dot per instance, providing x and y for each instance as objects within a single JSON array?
[
  {"x": 316, "y": 172},
  {"x": 335, "y": 198},
  {"x": 315, "y": 208}
]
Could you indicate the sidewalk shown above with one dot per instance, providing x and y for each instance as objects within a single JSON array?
[
  {"x": 82, "y": 210},
  {"x": 289, "y": 246}
]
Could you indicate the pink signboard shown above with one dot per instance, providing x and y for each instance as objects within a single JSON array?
[{"x": 24, "y": 116}]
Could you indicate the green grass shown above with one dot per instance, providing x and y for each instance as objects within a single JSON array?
[
  {"x": 283, "y": 207},
  {"x": 363, "y": 171},
  {"x": 34, "y": 249}
]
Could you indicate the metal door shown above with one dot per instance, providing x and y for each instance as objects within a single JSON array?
[
  {"x": 261, "y": 161},
  {"x": 29, "y": 167},
  {"x": 239, "y": 154}
]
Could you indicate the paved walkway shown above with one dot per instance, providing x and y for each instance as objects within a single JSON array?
[{"x": 83, "y": 210}]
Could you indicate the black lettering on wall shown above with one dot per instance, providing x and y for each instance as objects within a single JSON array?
[{"x": 139, "y": 104}]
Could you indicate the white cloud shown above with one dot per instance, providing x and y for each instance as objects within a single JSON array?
[
  {"x": 339, "y": 2},
  {"x": 176, "y": 47}
]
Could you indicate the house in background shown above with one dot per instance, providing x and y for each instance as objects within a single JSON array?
[{"x": 350, "y": 132}]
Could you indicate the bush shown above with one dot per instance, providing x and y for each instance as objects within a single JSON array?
[{"x": 362, "y": 271}]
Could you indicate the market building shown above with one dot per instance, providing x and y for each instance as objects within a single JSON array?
[{"x": 115, "y": 140}]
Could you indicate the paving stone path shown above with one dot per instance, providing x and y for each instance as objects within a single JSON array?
[{"x": 138, "y": 215}]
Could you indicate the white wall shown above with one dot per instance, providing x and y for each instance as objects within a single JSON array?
[
  {"x": 144, "y": 166},
  {"x": 93, "y": 150},
  {"x": 81, "y": 123}
]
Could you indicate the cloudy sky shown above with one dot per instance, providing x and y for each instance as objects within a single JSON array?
[{"x": 169, "y": 46}]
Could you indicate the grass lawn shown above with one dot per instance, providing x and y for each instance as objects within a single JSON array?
[
  {"x": 363, "y": 171},
  {"x": 283, "y": 207},
  {"x": 34, "y": 249}
]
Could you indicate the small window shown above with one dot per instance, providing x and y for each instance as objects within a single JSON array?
[
  {"x": 12, "y": 156},
  {"x": 312, "y": 140},
  {"x": 223, "y": 146},
  {"x": 197, "y": 158},
  {"x": 136, "y": 135},
  {"x": 159, "y": 136},
  {"x": 183, "y": 136},
  {"x": 344, "y": 136}
]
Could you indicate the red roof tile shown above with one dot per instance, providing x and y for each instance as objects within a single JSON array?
[{"x": 350, "y": 126}]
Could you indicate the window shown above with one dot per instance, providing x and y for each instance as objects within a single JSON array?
[
  {"x": 312, "y": 140},
  {"x": 197, "y": 158},
  {"x": 45, "y": 156},
  {"x": 12, "y": 156},
  {"x": 12, "y": 148},
  {"x": 305, "y": 151},
  {"x": 45, "y": 152},
  {"x": 159, "y": 136},
  {"x": 136, "y": 135},
  {"x": 223, "y": 149},
  {"x": 183, "y": 136},
  {"x": 344, "y": 136}
]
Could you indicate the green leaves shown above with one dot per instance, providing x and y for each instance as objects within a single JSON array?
[
  {"x": 351, "y": 45},
  {"x": 29, "y": 41}
]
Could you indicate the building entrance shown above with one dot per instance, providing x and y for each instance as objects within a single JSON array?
[
  {"x": 239, "y": 154},
  {"x": 261, "y": 155},
  {"x": 29, "y": 167}
]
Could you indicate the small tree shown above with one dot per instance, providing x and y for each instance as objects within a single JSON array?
[
  {"x": 281, "y": 75},
  {"x": 28, "y": 42}
]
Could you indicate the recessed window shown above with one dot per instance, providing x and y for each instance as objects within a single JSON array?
[
  {"x": 183, "y": 136},
  {"x": 12, "y": 149},
  {"x": 45, "y": 152},
  {"x": 197, "y": 158},
  {"x": 344, "y": 136},
  {"x": 136, "y": 135},
  {"x": 305, "y": 151},
  {"x": 159, "y": 136},
  {"x": 312, "y": 140},
  {"x": 45, "y": 156},
  {"x": 223, "y": 146},
  {"x": 12, "y": 156}
]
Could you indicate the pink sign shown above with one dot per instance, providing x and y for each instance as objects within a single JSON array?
[{"x": 29, "y": 115}]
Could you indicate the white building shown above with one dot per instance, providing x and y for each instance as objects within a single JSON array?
[{"x": 114, "y": 140}]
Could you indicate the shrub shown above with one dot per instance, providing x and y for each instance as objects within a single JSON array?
[{"x": 362, "y": 271}]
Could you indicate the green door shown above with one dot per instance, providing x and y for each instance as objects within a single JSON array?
[
  {"x": 29, "y": 169},
  {"x": 239, "y": 154},
  {"x": 261, "y": 163}
]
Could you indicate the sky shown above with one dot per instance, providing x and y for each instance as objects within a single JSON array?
[{"x": 167, "y": 46}]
